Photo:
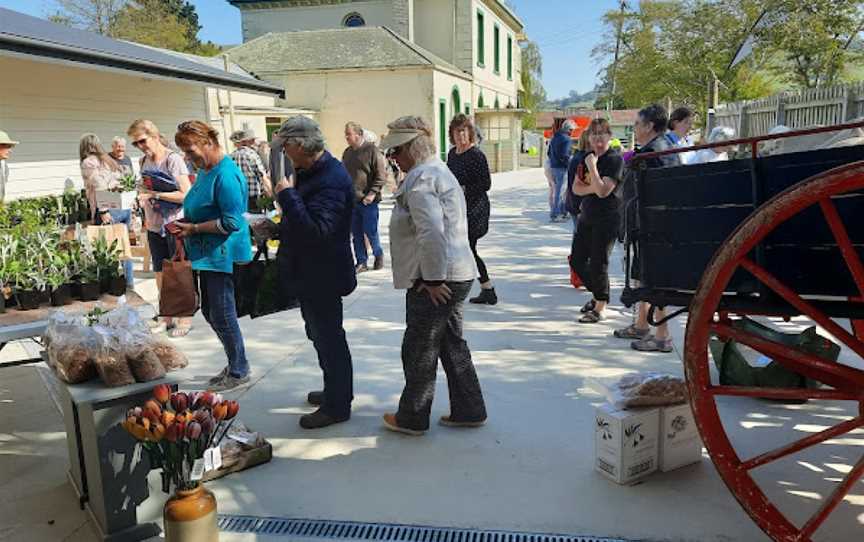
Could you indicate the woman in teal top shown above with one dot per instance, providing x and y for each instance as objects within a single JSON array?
[{"x": 216, "y": 237}]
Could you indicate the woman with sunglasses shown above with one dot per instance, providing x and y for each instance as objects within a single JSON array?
[
  {"x": 597, "y": 180},
  {"x": 159, "y": 158},
  {"x": 432, "y": 260}
]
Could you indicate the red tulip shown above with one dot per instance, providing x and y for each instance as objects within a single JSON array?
[
  {"x": 173, "y": 432},
  {"x": 152, "y": 416},
  {"x": 233, "y": 409},
  {"x": 193, "y": 398},
  {"x": 208, "y": 425},
  {"x": 153, "y": 406},
  {"x": 179, "y": 402},
  {"x": 193, "y": 430},
  {"x": 220, "y": 411},
  {"x": 162, "y": 393},
  {"x": 204, "y": 399},
  {"x": 201, "y": 415}
]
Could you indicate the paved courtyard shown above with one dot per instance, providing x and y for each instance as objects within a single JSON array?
[{"x": 529, "y": 469}]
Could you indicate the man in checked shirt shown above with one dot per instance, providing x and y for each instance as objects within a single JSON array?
[{"x": 247, "y": 159}]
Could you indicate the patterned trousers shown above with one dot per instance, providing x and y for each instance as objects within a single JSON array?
[{"x": 432, "y": 333}]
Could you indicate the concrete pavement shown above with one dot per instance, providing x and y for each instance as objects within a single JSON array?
[{"x": 529, "y": 469}]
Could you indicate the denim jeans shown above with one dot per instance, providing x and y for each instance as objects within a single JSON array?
[
  {"x": 122, "y": 216},
  {"x": 217, "y": 305},
  {"x": 323, "y": 319},
  {"x": 364, "y": 221},
  {"x": 559, "y": 175}
]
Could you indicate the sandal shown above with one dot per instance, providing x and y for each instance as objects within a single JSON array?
[
  {"x": 650, "y": 343},
  {"x": 631, "y": 332},
  {"x": 588, "y": 306},
  {"x": 179, "y": 331},
  {"x": 591, "y": 317}
]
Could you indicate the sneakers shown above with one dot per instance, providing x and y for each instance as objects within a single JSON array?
[
  {"x": 486, "y": 297},
  {"x": 360, "y": 268},
  {"x": 315, "y": 398},
  {"x": 391, "y": 424},
  {"x": 319, "y": 419},
  {"x": 225, "y": 382},
  {"x": 631, "y": 332},
  {"x": 449, "y": 422},
  {"x": 379, "y": 263},
  {"x": 650, "y": 343},
  {"x": 219, "y": 376}
]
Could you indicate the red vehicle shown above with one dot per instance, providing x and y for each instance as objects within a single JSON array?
[{"x": 769, "y": 238}]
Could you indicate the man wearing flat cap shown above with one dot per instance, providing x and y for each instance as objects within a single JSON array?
[
  {"x": 315, "y": 261},
  {"x": 6, "y": 145},
  {"x": 247, "y": 159}
]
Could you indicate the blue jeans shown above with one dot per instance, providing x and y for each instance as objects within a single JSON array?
[
  {"x": 559, "y": 175},
  {"x": 364, "y": 221},
  {"x": 323, "y": 319},
  {"x": 217, "y": 305},
  {"x": 122, "y": 216}
]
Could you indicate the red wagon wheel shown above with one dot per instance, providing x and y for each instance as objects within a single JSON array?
[{"x": 841, "y": 382}]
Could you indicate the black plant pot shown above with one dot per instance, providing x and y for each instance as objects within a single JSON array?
[
  {"x": 61, "y": 295},
  {"x": 28, "y": 300},
  {"x": 2, "y": 303},
  {"x": 44, "y": 296},
  {"x": 104, "y": 285},
  {"x": 75, "y": 289},
  {"x": 90, "y": 291},
  {"x": 117, "y": 286}
]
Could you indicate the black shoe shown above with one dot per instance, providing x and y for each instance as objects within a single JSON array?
[
  {"x": 588, "y": 307},
  {"x": 379, "y": 263},
  {"x": 315, "y": 398},
  {"x": 360, "y": 268},
  {"x": 486, "y": 297},
  {"x": 318, "y": 419}
]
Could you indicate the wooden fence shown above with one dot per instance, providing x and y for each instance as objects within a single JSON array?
[{"x": 812, "y": 107}]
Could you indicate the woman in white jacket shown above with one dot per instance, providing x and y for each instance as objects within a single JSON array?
[{"x": 432, "y": 260}]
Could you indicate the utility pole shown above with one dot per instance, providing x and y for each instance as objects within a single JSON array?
[{"x": 610, "y": 105}]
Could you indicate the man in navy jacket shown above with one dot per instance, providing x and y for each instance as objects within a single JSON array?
[
  {"x": 559, "y": 158},
  {"x": 315, "y": 260}
]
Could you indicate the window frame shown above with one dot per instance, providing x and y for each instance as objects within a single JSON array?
[
  {"x": 496, "y": 43},
  {"x": 481, "y": 38},
  {"x": 509, "y": 57}
]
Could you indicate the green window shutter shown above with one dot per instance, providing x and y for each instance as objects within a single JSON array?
[
  {"x": 442, "y": 129},
  {"x": 480, "y": 103},
  {"x": 481, "y": 40},
  {"x": 509, "y": 58},
  {"x": 496, "y": 42}
]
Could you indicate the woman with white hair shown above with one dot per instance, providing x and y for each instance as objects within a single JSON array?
[
  {"x": 432, "y": 260},
  {"x": 714, "y": 154},
  {"x": 101, "y": 172}
]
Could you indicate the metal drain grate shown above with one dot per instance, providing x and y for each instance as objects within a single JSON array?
[{"x": 382, "y": 532}]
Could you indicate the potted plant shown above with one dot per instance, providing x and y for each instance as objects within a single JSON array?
[
  {"x": 90, "y": 289},
  {"x": 57, "y": 277},
  {"x": 175, "y": 430},
  {"x": 29, "y": 287},
  {"x": 107, "y": 259}
]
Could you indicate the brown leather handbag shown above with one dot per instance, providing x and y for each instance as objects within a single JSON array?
[{"x": 179, "y": 294}]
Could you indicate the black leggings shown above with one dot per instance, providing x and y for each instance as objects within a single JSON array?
[
  {"x": 592, "y": 246},
  {"x": 481, "y": 267}
]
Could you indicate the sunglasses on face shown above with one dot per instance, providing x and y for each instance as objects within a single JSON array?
[
  {"x": 393, "y": 151},
  {"x": 139, "y": 142}
]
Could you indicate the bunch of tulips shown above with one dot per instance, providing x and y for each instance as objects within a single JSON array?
[{"x": 176, "y": 429}]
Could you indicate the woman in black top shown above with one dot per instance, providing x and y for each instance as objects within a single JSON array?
[
  {"x": 597, "y": 181},
  {"x": 469, "y": 166}
]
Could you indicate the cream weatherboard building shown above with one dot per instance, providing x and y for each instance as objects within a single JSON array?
[
  {"x": 57, "y": 83},
  {"x": 371, "y": 61}
]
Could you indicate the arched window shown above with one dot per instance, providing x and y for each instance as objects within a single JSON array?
[
  {"x": 456, "y": 101},
  {"x": 480, "y": 104},
  {"x": 497, "y": 103},
  {"x": 353, "y": 20}
]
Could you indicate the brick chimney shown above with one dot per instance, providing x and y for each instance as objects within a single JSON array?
[{"x": 403, "y": 18}]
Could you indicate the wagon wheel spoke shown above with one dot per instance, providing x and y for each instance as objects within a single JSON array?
[
  {"x": 833, "y": 500},
  {"x": 786, "y": 393},
  {"x": 806, "y": 308},
  {"x": 803, "y": 444},
  {"x": 834, "y": 374},
  {"x": 844, "y": 242}
]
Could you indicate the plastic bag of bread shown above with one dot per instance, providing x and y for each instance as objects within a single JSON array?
[
  {"x": 110, "y": 360},
  {"x": 142, "y": 359},
  {"x": 171, "y": 358},
  {"x": 635, "y": 390},
  {"x": 72, "y": 352}
]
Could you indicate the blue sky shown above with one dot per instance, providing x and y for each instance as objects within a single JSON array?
[{"x": 566, "y": 31}]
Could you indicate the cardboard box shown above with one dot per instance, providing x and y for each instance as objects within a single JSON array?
[
  {"x": 115, "y": 200},
  {"x": 626, "y": 443},
  {"x": 680, "y": 443}
]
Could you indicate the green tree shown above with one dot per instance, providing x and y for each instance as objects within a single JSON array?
[
  {"x": 532, "y": 93},
  {"x": 94, "y": 15},
  {"x": 814, "y": 39},
  {"x": 148, "y": 22}
]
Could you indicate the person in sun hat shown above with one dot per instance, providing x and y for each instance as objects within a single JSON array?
[
  {"x": 431, "y": 259},
  {"x": 6, "y": 144}
]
